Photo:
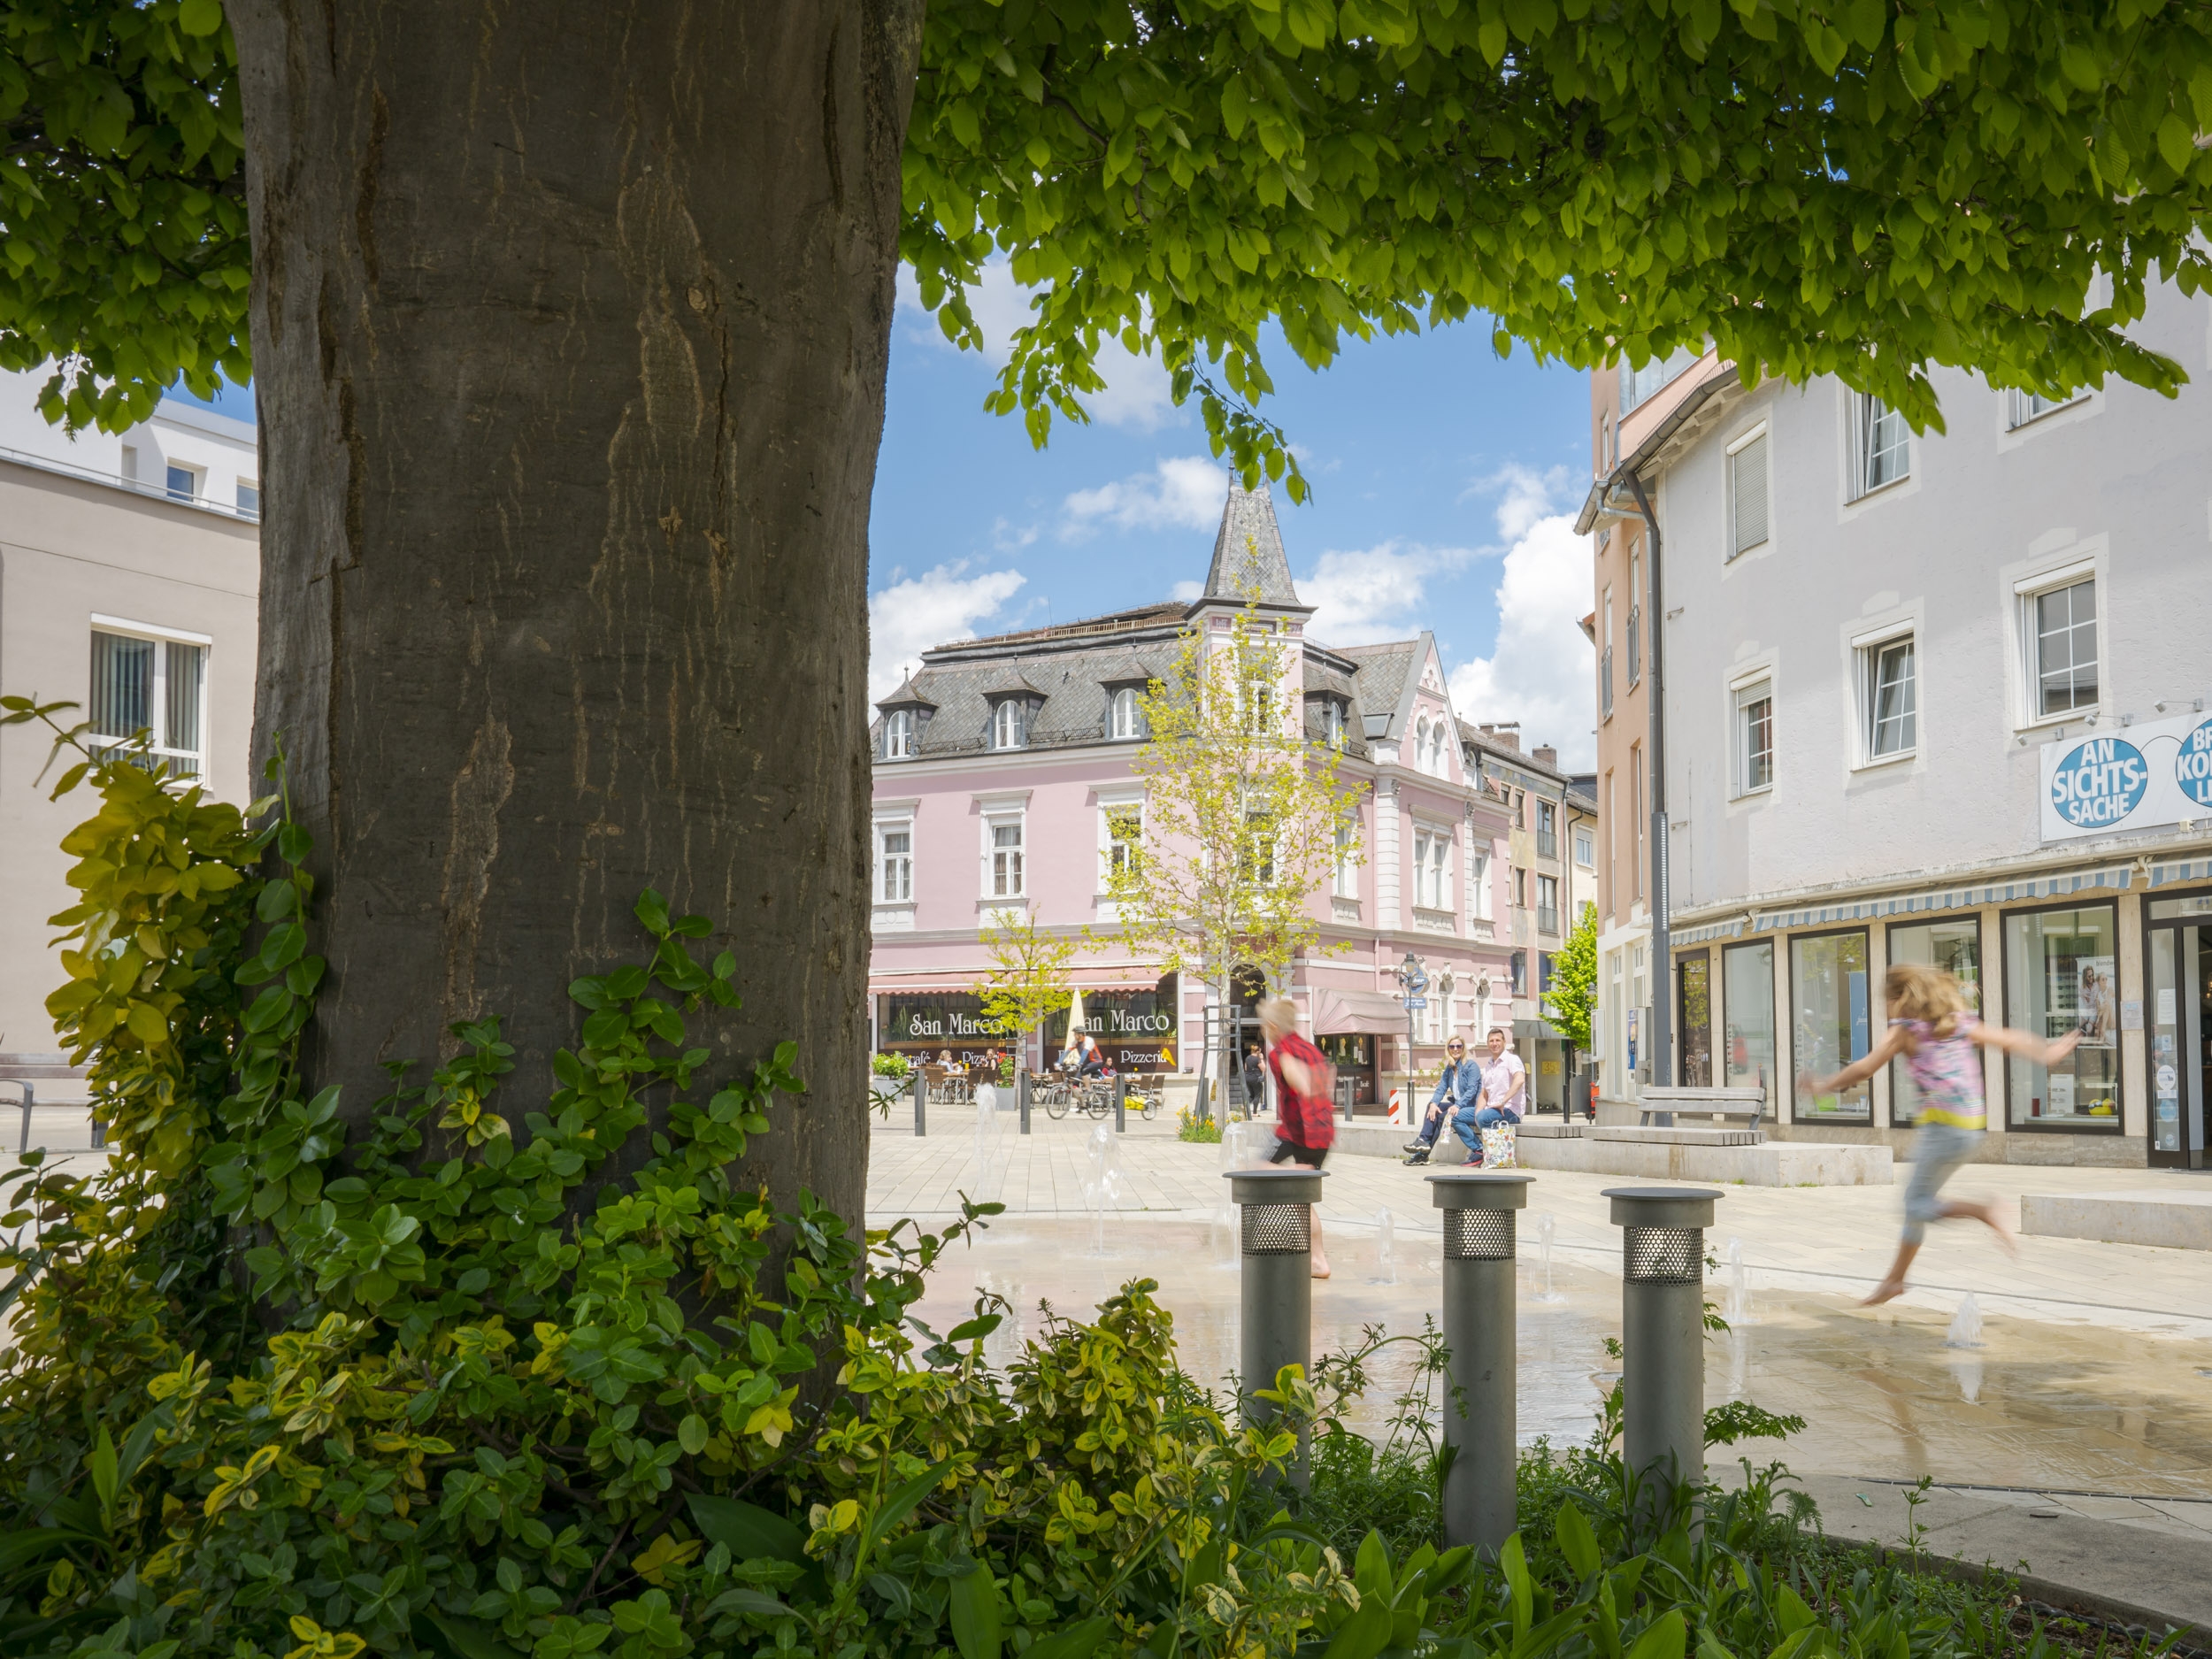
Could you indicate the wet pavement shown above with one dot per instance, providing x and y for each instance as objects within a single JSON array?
[{"x": 2069, "y": 1407}]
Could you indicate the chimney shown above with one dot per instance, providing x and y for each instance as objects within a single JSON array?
[
  {"x": 1506, "y": 735},
  {"x": 1547, "y": 757}
]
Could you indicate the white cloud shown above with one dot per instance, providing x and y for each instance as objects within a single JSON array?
[
  {"x": 1187, "y": 592},
  {"x": 1368, "y": 594},
  {"x": 1184, "y": 492},
  {"x": 1136, "y": 394},
  {"x": 1540, "y": 673},
  {"x": 941, "y": 606}
]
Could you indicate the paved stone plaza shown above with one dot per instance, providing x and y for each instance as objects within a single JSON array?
[{"x": 2090, "y": 1391}]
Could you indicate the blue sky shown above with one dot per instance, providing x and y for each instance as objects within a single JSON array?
[{"x": 1444, "y": 481}]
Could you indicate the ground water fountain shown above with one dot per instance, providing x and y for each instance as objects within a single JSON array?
[
  {"x": 1385, "y": 1246},
  {"x": 1545, "y": 1225},
  {"x": 1738, "y": 1285}
]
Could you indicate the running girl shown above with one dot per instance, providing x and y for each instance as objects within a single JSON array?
[{"x": 1941, "y": 1043}]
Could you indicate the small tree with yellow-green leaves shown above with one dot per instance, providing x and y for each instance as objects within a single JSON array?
[
  {"x": 1028, "y": 981},
  {"x": 1243, "y": 819}
]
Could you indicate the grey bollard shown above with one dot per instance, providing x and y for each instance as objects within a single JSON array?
[
  {"x": 1121, "y": 1104},
  {"x": 921, "y": 1103},
  {"x": 1480, "y": 1503},
  {"x": 1662, "y": 1328},
  {"x": 1275, "y": 1232},
  {"x": 1021, "y": 1096},
  {"x": 1200, "y": 1103}
]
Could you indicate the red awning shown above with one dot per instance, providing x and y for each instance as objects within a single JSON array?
[{"x": 1339, "y": 1012}]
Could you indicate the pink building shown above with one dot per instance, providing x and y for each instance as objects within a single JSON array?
[{"x": 1002, "y": 765}]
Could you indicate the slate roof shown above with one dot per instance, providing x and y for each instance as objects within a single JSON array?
[
  {"x": 1248, "y": 557},
  {"x": 1066, "y": 669}
]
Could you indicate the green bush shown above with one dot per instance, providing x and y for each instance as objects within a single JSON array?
[
  {"x": 892, "y": 1065},
  {"x": 1190, "y": 1127},
  {"x": 435, "y": 1387}
]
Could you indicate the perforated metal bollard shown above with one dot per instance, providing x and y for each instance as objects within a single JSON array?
[
  {"x": 1021, "y": 1094},
  {"x": 1275, "y": 1233},
  {"x": 1662, "y": 1328},
  {"x": 1479, "y": 1318},
  {"x": 1121, "y": 1104},
  {"x": 921, "y": 1103}
]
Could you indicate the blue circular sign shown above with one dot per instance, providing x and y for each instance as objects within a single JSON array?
[
  {"x": 2099, "y": 782},
  {"x": 2192, "y": 765}
]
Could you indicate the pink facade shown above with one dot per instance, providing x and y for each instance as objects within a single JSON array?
[{"x": 999, "y": 763}]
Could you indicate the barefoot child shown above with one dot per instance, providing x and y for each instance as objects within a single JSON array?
[{"x": 1941, "y": 1041}]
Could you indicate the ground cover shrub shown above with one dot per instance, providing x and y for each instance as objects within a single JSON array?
[
  {"x": 1190, "y": 1127},
  {"x": 439, "y": 1387}
]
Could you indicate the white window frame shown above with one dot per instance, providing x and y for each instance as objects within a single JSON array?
[
  {"x": 163, "y": 746},
  {"x": 1125, "y": 720},
  {"x": 995, "y": 819},
  {"x": 1867, "y": 654},
  {"x": 2028, "y": 594},
  {"x": 888, "y": 862},
  {"x": 1332, "y": 722},
  {"x": 1108, "y": 807},
  {"x": 1009, "y": 723},
  {"x": 1742, "y": 696},
  {"x": 246, "y": 486},
  {"x": 1343, "y": 872},
  {"x": 2024, "y": 409},
  {"x": 1586, "y": 847},
  {"x": 197, "y": 475},
  {"x": 1756, "y": 434},
  {"x": 898, "y": 735},
  {"x": 1869, "y": 437}
]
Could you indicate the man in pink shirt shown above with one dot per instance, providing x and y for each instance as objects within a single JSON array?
[{"x": 1504, "y": 1092}]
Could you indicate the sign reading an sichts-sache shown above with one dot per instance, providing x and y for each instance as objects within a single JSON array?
[{"x": 2139, "y": 777}]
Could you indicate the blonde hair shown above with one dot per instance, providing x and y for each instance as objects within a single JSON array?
[
  {"x": 1279, "y": 1014},
  {"x": 1914, "y": 991}
]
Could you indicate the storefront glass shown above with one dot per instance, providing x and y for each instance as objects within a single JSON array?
[
  {"x": 1696, "y": 1016},
  {"x": 1954, "y": 947},
  {"x": 1352, "y": 1054},
  {"x": 1747, "y": 1003},
  {"x": 2180, "y": 934},
  {"x": 1830, "y": 1014},
  {"x": 1134, "y": 1028},
  {"x": 2060, "y": 976}
]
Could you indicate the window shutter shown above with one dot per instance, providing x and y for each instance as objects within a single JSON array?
[{"x": 1749, "y": 477}]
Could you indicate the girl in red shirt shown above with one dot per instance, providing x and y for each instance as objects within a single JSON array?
[{"x": 1305, "y": 1117}]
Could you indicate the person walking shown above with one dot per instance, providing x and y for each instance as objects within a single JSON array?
[
  {"x": 1305, "y": 1118},
  {"x": 1504, "y": 1093},
  {"x": 1459, "y": 1084},
  {"x": 1941, "y": 1042},
  {"x": 1254, "y": 1087}
]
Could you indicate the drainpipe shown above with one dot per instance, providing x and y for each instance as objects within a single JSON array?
[{"x": 1662, "y": 953}]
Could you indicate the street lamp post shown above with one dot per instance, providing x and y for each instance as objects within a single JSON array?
[{"x": 1413, "y": 979}]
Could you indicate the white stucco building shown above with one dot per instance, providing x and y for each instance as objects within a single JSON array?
[
  {"x": 129, "y": 571},
  {"x": 1944, "y": 698}
]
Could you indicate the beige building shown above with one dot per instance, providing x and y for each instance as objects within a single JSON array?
[{"x": 129, "y": 568}]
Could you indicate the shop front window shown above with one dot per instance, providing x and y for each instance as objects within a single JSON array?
[
  {"x": 1830, "y": 1014},
  {"x": 2061, "y": 975},
  {"x": 1748, "y": 1000},
  {"x": 1697, "y": 1020},
  {"x": 1957, "y": 949}
]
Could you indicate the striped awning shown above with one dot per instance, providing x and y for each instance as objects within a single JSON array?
[
  {"x": 2199, "y": 869},
  {"x": 1729, "y": 929},
  {"x": 2058, "y": 885}
]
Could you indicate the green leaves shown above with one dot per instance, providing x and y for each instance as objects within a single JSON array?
[{"x": 975, "y": 1606}]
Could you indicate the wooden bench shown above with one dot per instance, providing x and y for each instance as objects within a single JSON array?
[
  {"x": 26, "y": 1071},
  {"x": 1657, "y": 1107}
]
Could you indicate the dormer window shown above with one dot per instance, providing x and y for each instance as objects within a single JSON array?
[
  {"x": 898, "y": 735},
  {"x": 1010, "y": 724},
  {"x": 1332, "y": 722},
  {"x": 1125, "y": 720}
]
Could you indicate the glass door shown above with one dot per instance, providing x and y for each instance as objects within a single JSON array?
[
  {"x": 2180, "y": 1032},
  {"x": 1693, "y": 1017}
]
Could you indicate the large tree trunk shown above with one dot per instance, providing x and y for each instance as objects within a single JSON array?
[{"x": 570, "y": 331}]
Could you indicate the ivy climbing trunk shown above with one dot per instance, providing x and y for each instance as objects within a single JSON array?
[{"x": 570, "y": 328}]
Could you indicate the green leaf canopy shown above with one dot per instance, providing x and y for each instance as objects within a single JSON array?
[{"x": 1845, "y": 187}]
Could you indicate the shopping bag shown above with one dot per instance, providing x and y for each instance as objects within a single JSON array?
[{"x": 1497, "y": 1148}]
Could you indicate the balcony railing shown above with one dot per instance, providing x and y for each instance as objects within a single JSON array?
[
  {"x": 1605, "y": 681},
  {"x": 1635, "y": 643},
  {"x": 1547, "y": 843},
  {"x": 1547, "y": 919}
]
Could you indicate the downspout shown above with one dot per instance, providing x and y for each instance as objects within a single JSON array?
[{"x": 1661, "y": 951}]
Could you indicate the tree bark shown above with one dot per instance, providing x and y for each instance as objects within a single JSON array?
[{"x": 570, "y": 328}]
